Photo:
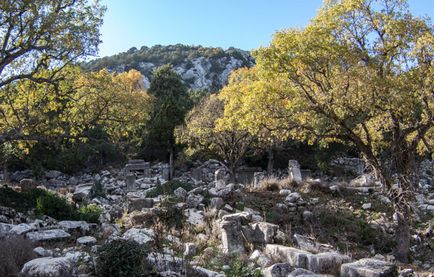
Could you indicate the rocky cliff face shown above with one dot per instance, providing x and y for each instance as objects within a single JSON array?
[{"x": 199, "y": 67}]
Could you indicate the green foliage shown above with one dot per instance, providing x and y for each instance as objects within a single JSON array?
[
  {"x": 357, "y": 230},
  {"x": 168, "y": 188},
  {"x": 90, "y": 213},
  {"x": 46, "y": 33},
  {"x": 47, "y": 203},
  {"x": 171, "y": 54},
  {"x": 55, "y": 207},
  {"x": 122, "y": 258},
  {"x": 240, "y": 268},
  {"x": 173, "y": 216}
]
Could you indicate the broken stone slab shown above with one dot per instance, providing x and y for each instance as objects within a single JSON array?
[
  {"x": 48, "y": 235},
  {"x": 163, "y": 262},
  {"x": 295, "y": 257},
  {"x": 83, "y": 191},
  {"x": 368, "y": 268},
  {"x": 77, "y": 227},
  {"x": 260, "y": 259},
  {"x": 137, "y": 204},
  {"x": 294, "y": 171},
  {"x": 277, "y": 270},
  {"x": 327, "y": 263},
  {"x": 232, "y": 237},
  {"x": 307, "y": 244},
  {"x": 264, "y": 232},
  {"x": 21, "y": 229},
  {"x": 242, "y": 217},
  {"x": 193, "y": 200},
  {"x": 86, "y": 240},
  {"x": 203, "y": 272},
  {"x": 142, "y": 236},
  {"x": 194, "y": 216},
  {"x": 53, "y": 267}
]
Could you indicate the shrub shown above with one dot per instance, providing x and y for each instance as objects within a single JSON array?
[
  {"x": 172, "y": 216},
  {"x": 56, "y": 207},
  {"x": 15, "y": 252},
  {"x": 90, "y": 213},
  {"x": 122, "y": 258},
  {"x": 239, "y": 267}
]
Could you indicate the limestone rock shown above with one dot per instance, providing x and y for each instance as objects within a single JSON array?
[
  {"x": 21, "y": 229},
  {"x": 52, "y": 267},
  {"x": 277, "y": 270},
  {"x": 137, "y": 204},
  {"x": 142, "y": 236},
  {"x": 27, "y": 184},
  {"x": 86, "y": 240},
  {"x": 48, "y": 235},
  {"x": 369, "y": 268},
  {"x": 180, "y": 193}
]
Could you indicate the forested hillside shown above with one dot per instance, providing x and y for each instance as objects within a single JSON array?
[{"x": 200, "y": 67}]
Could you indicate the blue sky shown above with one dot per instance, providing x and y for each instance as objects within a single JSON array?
[{"x": 245, "y": 24}]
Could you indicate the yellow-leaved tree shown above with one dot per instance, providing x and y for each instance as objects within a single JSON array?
[
  {"x": 361, "y": 73},
  {"x": 202, "y": 132},
  {"x": 68, "y": 110}
]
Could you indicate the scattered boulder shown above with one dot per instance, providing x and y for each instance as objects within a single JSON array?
[
  {"x": 21, "y": 229},
  {"x": 27, "y": 184},
  {"x": 180, "y": 193},
  {"x": 86, "y": 240},
  {"x": 277, "y": 270},
  {"x": 83, "y": 191},
  {"x": 264, "y": 232},
  {"x": 52, "y": 267},
  {"x": 137, "y": 204},
  {"x": 307, "y": 244},
  {"x": 48, "y": 235},
  {"x": 369, "y": 268},
  {"x": 142, "y": 236}
]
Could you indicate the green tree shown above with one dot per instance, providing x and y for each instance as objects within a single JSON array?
[
  {"x": 202, "y": 133},
  {"x": 360, "y": 73},
  {"x": 41, "y": 34},
  {"x": 171, "y": 103}
]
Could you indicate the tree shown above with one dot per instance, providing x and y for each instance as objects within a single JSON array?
[
  {"x": 360, "y": 73},
  {"x": 171, "y": 103},
  {"x": 45, "y": 34},
  {"x": 202, "y": 133},
  {"x": 81, "y": 107},
  {"x": 248, "y": 106}
]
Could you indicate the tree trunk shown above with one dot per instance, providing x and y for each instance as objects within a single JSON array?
[
  {"x": 270, "y": 163},
  {"x": 171, "y": 163},
  {"x": 5, "y": 172},
  {"x": 232, "y": 174},
  {"x": 402, "y": 237}
]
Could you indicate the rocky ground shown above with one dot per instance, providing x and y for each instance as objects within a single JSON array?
[{"x": 199, "y": 224}]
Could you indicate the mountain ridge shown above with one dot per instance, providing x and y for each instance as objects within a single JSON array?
[{"x": 204, "y": 68}]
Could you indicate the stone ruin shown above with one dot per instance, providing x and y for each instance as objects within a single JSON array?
[{"x": 294, "y": 171}]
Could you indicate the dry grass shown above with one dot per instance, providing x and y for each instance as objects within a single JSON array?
[
  {"x": 14, "y": 253},
  {"x": 273, "y": 183}
]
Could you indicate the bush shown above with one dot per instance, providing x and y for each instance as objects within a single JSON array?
[
  {"x": 56, "y": 207},
  {"x": 122, "y": 258},
  {"x": 15, "y": 252},
  {"x": 239, "y": 267},
  {"x": 90, "y": 213}
]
